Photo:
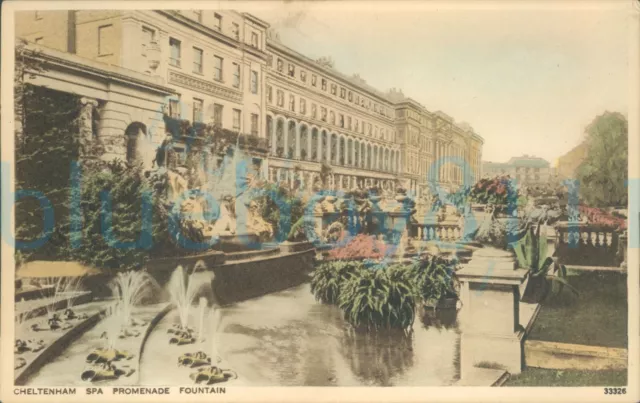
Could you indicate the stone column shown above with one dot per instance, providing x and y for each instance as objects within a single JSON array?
[
  {"x": 273, "y": 136},
  {"x": 490, "y": 323},
  {"x": 328, "y": 155},
  {"x": 297, "y": 150},
  {"x": 338, "y": 141},
  {"x": 286, "y": 140},
  {"x": 353, "y": 153},
  {"x": 320, "y": 152},
  {"x": 309, "y": 149},
  {"x": 113, "y": 124}
]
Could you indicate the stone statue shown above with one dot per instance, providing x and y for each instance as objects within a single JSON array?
[{"x": 256, "y": 224}]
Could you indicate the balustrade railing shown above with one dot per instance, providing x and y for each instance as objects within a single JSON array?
[
  {"x": 432, "y": 231},
  {"x": 589, "y": 245}
]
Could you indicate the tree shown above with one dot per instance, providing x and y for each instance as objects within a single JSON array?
[
  {"x": 46, "y": 143},
  {"x": 602, "y": 175}
]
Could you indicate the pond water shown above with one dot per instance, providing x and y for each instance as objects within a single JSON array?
[
  {"x": 283, "y": 339},
  {"x": 289, "y": 339}
]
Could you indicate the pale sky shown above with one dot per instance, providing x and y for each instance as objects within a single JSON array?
[{"x": 528, "y": 81}]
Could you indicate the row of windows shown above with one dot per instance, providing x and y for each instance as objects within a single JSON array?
[
  {"x": 217, "y": 117},
  {"x": 218, "y": 66},
  {"x": 527, "y": 169},
  {"x": 233, "y": 30},
  {"x": 341, "y": 92},
  {"x": 329, "y": 116}
]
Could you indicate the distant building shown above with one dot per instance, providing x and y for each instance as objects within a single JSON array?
[
  {"x": 568, "y": 164},
  {"x": 528, "y": 170}
]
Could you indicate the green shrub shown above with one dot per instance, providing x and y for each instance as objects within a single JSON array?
[
  {"x": 379, "y": 299},
  {"x": 434, "y": 278},
  {"x": 328, "y": 278},
  {"x": 125, "y": 187}
]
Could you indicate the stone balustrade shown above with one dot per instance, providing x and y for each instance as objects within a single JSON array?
[
  {"x": 589, "y": 245},
  {"x": 435, "y": 231}
]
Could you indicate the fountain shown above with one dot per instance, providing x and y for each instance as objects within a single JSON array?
[
  {"x": 184, "y": 288},
  {"x": 130, "y": 289}
]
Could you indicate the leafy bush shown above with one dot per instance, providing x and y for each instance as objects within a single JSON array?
[
  {"x": 435, "y": 279},
  {"x": 378, "y": 299},
  {"x": 375, "y": 296},
  {"x": 328, "y": 278},
  {"x": 118, "y": 218}
]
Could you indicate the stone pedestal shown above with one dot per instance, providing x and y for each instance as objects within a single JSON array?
[
  {"x": 491, "y": 332},
  {"x": 397, "y": 220}
]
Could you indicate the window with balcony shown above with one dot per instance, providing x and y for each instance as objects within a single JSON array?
[
  {"x": 324, "y": 84},
  {"x": 269, "y": 94},
  {"x": 350, "y": 96},
  {"x": 235, "y": 31},
  {"x": 341, "y": 120},
  {"x": 197, "y": 60},
  {"x": 292, "y": 70},
  {"x": 197, "y": 109},
  {"x": 323, "y": 114},
  {"x": 254, "y": 40},
  {"x": 303, "y": 76},
  {"x": 349, "y": 122},
  {"x": 254, "y": 82},
  {"x": 292, "y": 103},
  {"x": 314, "y": 80},
  {"x": 280, "y": 65},
  {"x": 334, "y": 89},
  {"x": 314, "y": 111},
  {"x": 217, "y": 68},
  {"x": 303, "y": 106},
  {"x": 254, "y": 124},
  {"x": 332, "y": 118},
  {"x": 174, "y": 58},
  {"x": 343, "y": 93},
  {"x": 236, "y": 119},
  {"x": 236, "y": 75},
  {"x": 217, "y": 21},
  {"x": 217, "y": 114}
]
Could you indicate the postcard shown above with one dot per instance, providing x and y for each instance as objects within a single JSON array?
[{"x": 320, "y": 201}]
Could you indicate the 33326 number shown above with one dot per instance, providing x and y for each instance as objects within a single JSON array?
[{"x": 615, "y": 391}]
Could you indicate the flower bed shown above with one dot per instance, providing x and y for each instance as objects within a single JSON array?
[
  {"x": 598, "y": 216},
  {"x": 360, "y": 247}
]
